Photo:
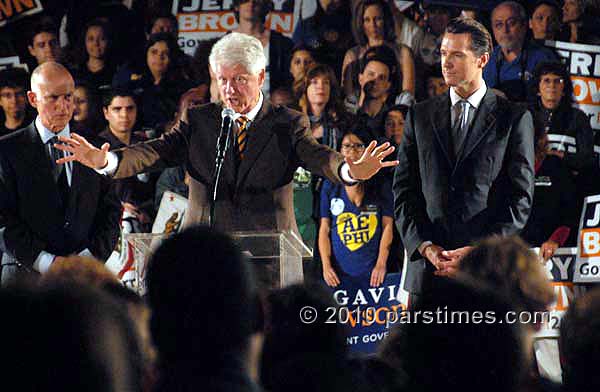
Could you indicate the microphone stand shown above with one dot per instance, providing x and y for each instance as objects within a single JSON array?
[{"x": 222, "y": 147}]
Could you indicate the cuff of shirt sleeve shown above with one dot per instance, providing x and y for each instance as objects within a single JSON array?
[
  {"x": 111, "y": 166},
  {"x": 86, "y": 252},
  {"x": 43, "y": 262},
  {"x": 424, "y": 246},
  {"x": 345, "y": 175}
]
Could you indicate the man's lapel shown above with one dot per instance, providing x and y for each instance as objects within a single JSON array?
[
  {"x": 259, "y": 134},
  {"x": 484, "y": 120},
  {"x": 440, "y": 119},
  {"x": 36, "y": 158}
]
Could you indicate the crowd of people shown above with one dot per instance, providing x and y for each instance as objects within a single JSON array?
[{"x": 359, "y": 71}]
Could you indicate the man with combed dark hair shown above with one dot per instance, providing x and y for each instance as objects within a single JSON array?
[
  {"x": 466, "y": 163},
  {"x": 579, "y": 344},
  {"x": 202, "y": 299}
]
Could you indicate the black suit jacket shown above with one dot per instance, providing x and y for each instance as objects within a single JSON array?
[
  {"x": 452, "y": 201},
  {"x": 32, "y": 215},
  {"x": 254, "y": 194}
]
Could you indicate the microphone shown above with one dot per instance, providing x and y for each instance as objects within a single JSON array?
[
  {"x": 223, "y": 141},
  {"x": 222, "y": 146}
]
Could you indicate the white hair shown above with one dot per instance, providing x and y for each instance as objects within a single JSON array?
[{"x": 237, "y": 48}]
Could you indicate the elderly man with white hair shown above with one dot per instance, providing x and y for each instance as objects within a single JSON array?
[{"x": 269, "y": 143}]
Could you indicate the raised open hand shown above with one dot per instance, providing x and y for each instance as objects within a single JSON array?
[
  {"x": 83, "y": 151},
  {"x": 371, "y": 161}
]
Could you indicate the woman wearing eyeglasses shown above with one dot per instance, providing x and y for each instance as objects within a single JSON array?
[
  {"x": 567, "y": 135},
  {"x": 356, "y": 228},
  {"x": 564, "y": 124}
]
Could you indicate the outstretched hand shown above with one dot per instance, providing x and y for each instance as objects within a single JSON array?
[
  {"x": 371, "y": 161},
  {"x": 82, "y": 151}
]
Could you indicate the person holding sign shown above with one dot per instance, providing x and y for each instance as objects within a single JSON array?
[
  {"x": 356, "y": 228},
  {"x": 269, "y": 143},
  {"x": 570, "y": 136}
]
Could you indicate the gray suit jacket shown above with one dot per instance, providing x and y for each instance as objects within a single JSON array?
[
  {"x": 255, "y": 193},
  {"x": 455, "y": 200}
]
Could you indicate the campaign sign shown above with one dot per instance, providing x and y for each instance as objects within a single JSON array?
[
  {"x": 583, "y": 62},
  {"x": 204, "y": 19},
  {"x": 11, "y": 10},
  {"x": 12, "y": 62},
  {"x": 366, "y": 312},
  {"x": 560, "y": 269},
  {"x": 587, "y": 268}
]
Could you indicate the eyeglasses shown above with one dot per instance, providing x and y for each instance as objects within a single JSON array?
[
  {"x": 356, "y": 146},
  {"x": 549, "y": 81}
]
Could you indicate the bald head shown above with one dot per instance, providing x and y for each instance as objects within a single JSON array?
[
  {"x": 48, "y": 71},
  {"x": 51, "y": 94}
]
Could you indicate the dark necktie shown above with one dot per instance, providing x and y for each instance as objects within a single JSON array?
[
  {"x": 54, "y": 155},
  {"x": 461, "y": 125},
  {"x": 59, "y": 172},
  {"x": 242, "y": 123}
]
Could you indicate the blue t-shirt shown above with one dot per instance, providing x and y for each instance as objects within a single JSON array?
[
  {"x": 531, "y": 55},
  {"x": 355, "y": 231}
]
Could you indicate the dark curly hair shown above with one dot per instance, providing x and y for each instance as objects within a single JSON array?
[{"x": 559, "y": 69}]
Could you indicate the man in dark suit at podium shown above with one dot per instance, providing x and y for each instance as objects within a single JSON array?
[
  {"x": 466, "y": 163},
  {"x": 269, "y": 143},
  {"x": 48, "y": 210}
]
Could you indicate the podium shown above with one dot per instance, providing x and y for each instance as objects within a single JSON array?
[{"x": 276, "y": 258}]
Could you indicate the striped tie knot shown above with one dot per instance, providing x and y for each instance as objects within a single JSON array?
[{"x": 242, "y": 123}]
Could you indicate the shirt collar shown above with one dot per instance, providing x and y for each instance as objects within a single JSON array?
[
  {"x": 474, "y": 99},
  {"x": 46, "y": 134},
  {"x": 251, "y": 115}
]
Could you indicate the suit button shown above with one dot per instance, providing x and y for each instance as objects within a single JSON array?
[
  {"x": 67, "y": 224},
  {"x": 452, "y": 188}
]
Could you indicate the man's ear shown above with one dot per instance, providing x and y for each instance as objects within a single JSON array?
[
  {"x": 32, "y": 98},
  {"x": 105, "y": 111},
  {"x": 483, "y": 60},
  {"x": 261, "y": 77}
]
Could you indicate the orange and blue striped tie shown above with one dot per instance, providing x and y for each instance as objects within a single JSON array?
[{"x": 242, "y": 123}]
